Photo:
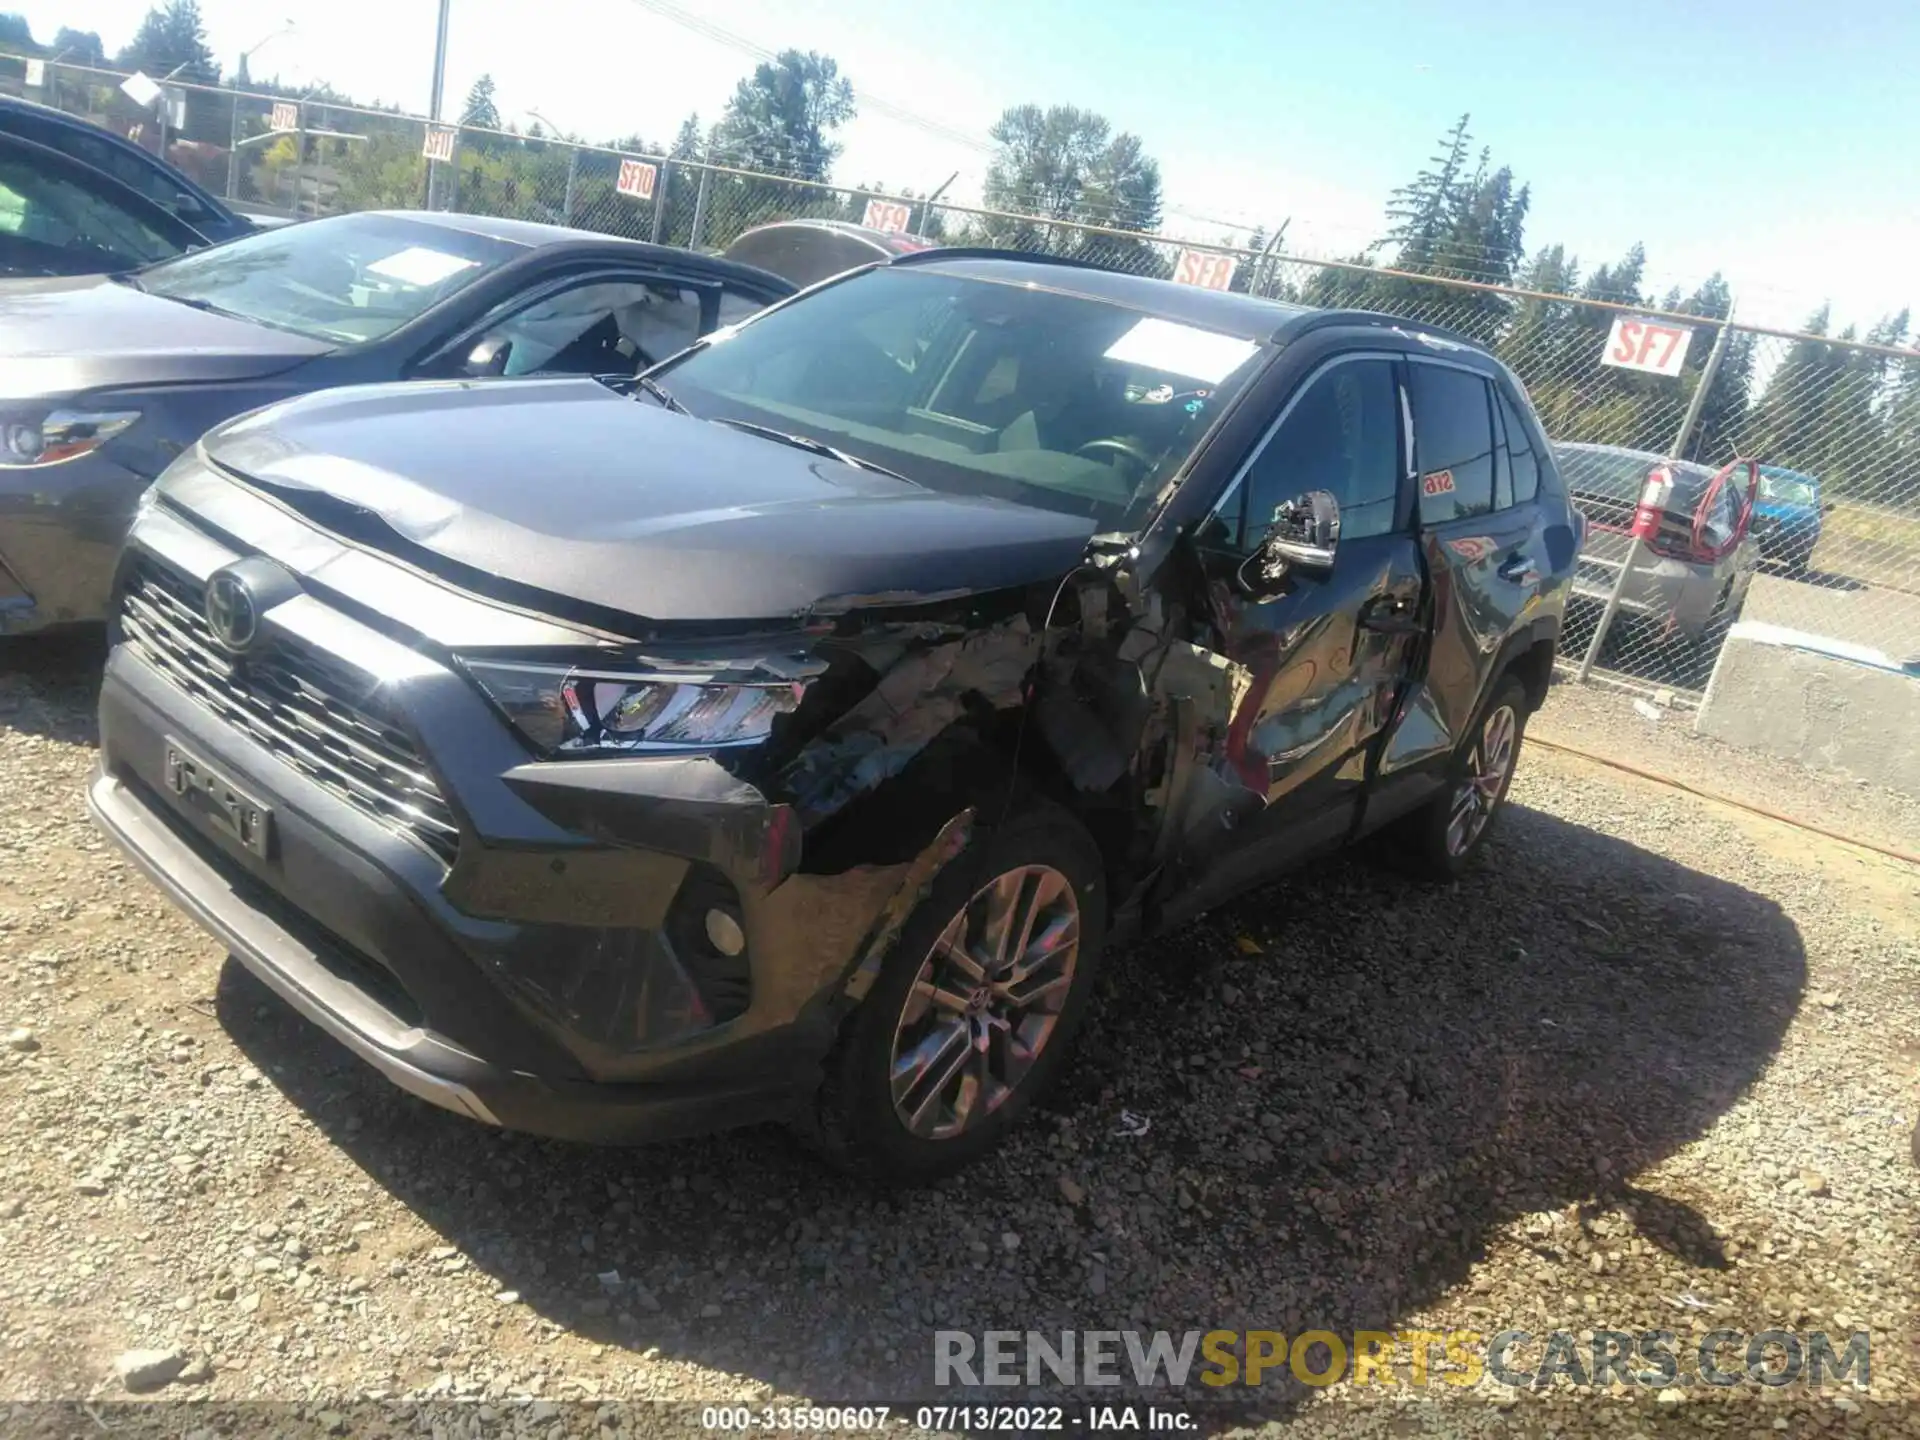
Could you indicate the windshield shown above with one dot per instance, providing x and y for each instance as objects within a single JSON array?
[
  {"x": 975, "y": 387},
  {"x": 1785, "y": 485},
  {"x": 350, "y": 278}
]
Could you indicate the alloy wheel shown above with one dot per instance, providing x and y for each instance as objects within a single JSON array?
[
  {"x": 1488, "y": 764},
  {"x": 986, "y": 1001}
]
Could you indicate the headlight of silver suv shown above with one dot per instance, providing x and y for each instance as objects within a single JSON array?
[
  {"x": 565, "y": 710},
  {"x": 31, "y": 438}
]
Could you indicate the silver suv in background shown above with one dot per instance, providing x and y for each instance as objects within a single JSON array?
[{"x": 1691, "y": 581}]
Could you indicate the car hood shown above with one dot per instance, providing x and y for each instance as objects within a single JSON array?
[
  {"x": 572, "y": 489},
  {"x": 67, "y": 336}
]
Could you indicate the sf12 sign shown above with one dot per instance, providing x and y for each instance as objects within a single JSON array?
[
  {"x": 1205, "y": 269},
  {"x": 439, "y": 143},
  {"x": 286, "y": 116},
  {"x": 888, "y": 215},
  {"x": 636, "y": 179},
  {"x": 1658, "y": 347}
]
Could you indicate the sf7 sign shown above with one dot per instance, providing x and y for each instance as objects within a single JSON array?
[
  {"x": 636, "y": 179},
  {"x": 1205, "y": 269},
  {"x": 1655, "y": 346}
]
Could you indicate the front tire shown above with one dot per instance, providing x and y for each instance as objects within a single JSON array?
[
  {"x": 975, "y": 1007},
  {"x": 1441, "y": 838}
]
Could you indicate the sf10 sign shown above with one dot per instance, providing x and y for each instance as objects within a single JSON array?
[
  {"x": 1205, "y": 269},
  {"x": 636, "y": 179},
  {"x": 439, "y": 143},
  {"x": 888, "y": 215},
  {"x": 1658, "y": 347},
  {"x": 285, "y": 116}
]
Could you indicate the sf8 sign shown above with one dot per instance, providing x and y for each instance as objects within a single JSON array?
[
  {"x": 1205, "y": 269},
  {"x": 1658, "y": 347}
]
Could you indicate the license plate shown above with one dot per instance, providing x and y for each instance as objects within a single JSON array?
[{"x": 218, "y": 800}]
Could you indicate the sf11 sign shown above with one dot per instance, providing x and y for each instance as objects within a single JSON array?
[
  {"x": 439, "y": 143},
  {"x": 1205, "y": 269},
  {"x": 286, "y": 116},
  {"x": 888, "y": 215},
  {"x": 636, "y": 179},
  {"x": 1658, "y": 347}
]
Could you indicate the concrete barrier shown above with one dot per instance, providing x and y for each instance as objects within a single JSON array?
[{"x": 1824, "y": 703}]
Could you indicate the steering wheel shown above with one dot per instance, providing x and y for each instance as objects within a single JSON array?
[{"x": 1117, "y": 446}]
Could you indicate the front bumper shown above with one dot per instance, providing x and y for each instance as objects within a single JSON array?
[
  {"x": 61, "y": 527},
  {"x": 535, "y": 972}
]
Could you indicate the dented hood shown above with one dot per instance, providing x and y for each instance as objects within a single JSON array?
[{"x": 565, "y": 486}]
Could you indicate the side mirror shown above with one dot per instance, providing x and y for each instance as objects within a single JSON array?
[
  {"x": 489, "y": 357},
  {"x": 1302, "y": 541}
]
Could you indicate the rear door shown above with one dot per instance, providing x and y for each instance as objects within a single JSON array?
[
  {"x": 1482, "y": 533},
  {"x": 1327, "y": 657}
]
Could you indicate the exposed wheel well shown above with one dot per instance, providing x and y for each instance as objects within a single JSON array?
[{"x": 1533, "y": 667}]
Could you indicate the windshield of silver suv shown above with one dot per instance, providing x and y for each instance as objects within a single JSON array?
[
  {"x": 348, "y": 278},
  {"x": 977, "y": 386}
]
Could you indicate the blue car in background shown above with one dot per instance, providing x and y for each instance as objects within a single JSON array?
[{"x": 1786, "y": 517}]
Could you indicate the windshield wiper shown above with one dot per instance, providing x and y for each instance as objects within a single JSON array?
[
  {"x": 661, "y": 393},
  {"x": 811, "y": 445}
]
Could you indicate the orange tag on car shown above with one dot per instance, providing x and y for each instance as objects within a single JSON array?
[{"x": 1440, "y": 482}]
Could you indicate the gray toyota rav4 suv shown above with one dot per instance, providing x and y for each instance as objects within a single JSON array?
[{"x": 784, "y": 734}]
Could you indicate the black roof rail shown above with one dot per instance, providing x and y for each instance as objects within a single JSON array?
[
  {"x": 1320, "y": 319},
  {"x": 991, "y": 252}
]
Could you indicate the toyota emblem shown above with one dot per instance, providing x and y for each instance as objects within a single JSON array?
[{"x": 232, "y": 610}]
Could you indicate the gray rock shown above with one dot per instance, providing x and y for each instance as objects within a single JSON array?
[{"x": 142, "y": 1370}]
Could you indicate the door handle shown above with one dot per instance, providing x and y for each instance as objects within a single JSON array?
[
  {"x": 1390, "y": 615},
  {"x": 1519, "y": 569}
]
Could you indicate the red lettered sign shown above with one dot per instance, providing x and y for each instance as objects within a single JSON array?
[
  {"x": 1659, "y": 347},
  {"x": 286, "y": 116},
  {"x": 889, "y": 215},
  {"x": 1440, "y": 482},
  {"x": 636, "y": 179},
  {"x": 439, "y": 143},
  {"x": 1205, "y": 269}
]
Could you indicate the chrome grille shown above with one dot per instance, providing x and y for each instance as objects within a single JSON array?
[{"x": 317, "y": 713}]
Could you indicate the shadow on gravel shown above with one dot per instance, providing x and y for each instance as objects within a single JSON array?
[
  {"x": 1337, "y": 1125},
  {"x": 50, "y": 684}
]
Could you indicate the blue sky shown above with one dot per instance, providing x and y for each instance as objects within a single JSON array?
[{"x": 1772, "y": 140}]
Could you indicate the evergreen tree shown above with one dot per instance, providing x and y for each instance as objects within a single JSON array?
[
  {"x": 171, "y": 38},
  {"x": 480, "y": 110}
]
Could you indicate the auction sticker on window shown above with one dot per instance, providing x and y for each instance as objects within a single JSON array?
[
  {"x": 1440, "y": 482},
  {"x": 1181, "y": 350},
  {"x": 1656, "y": 346},
  {"x": 417, "y": 265}
]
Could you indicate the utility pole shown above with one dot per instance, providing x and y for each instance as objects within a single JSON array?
[{"x": 439, "y": 90}]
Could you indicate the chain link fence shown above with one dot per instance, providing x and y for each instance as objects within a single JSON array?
[{"x": 1820, "y": 533}]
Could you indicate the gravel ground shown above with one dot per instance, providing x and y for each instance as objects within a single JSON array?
[{"x": 1653, "y": 1066}]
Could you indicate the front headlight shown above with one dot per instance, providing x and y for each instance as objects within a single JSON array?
[
  {"x": 569, "y": 711},
  {"x": 46, "y": 437}
]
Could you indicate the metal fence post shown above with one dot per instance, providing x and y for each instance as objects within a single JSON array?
[
  {"x": 300, "y": 164},
  {"x": 664, "y": 185},
  {"x": 233, "y": 140},
  {"x": 573, "y": 170},
  {"x": 700, "y": 207},
  {"x": 1634, "y": 543}
]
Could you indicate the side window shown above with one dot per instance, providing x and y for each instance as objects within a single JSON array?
[
  {"x": 1342, "y": 436},
  {"x": 1524, "y": 463},
  {"x": 78, "y": 220},
  {"x": 737, "y": 305},
  {"x": 1724, "y": 513},
  {"x": 601, "y": 327},
  {"x": 1452, "y": 442}
]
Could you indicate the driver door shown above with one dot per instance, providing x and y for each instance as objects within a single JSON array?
[{"x": 1328, "y": 653}]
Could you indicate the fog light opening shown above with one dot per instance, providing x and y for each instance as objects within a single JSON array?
[{"x": 724, "y": 932}]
